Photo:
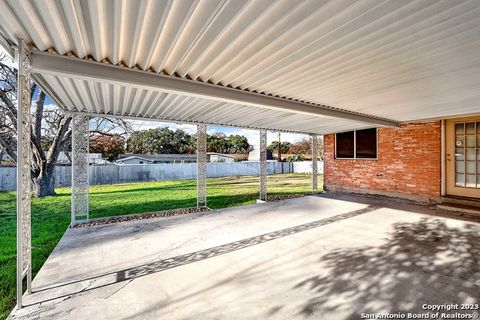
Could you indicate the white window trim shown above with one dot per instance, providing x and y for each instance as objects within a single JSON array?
[{"x": 355, "y": 145}]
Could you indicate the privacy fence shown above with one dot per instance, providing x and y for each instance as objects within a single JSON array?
[{"x": 111, "y": 174}]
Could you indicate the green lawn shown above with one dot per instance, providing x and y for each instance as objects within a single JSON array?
[{"x": 51, "y": 215}]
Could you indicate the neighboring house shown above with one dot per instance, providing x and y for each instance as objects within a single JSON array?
[
  {"x": 171, "y": 158},
  {"x": 219, "y": 157},
  {"x": 155, "y": 158},
  {"x": 254, "y": 155},
  {"x": 93, "y": 159}
]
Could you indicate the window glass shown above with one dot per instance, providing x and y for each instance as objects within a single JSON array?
[
  {"x": 359, "y": 144},
  {"x": 366, "y": 143},
  {"x": 345, "y": 144}
]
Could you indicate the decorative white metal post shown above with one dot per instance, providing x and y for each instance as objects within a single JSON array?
[
  {"x": 24, "y": 240},
  {"x": 201, "y": 165},
  {"x": 314, "y": 163},
  {"x": 80, "y": 137},
  {"x": 263, "y": 165}
]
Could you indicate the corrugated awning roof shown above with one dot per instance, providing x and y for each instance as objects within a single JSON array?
[{"x": 397, "y": 60}]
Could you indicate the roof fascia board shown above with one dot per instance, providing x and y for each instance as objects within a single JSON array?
[
  {"x": 133, "y": 157},
  {"x": 48, "y": 63}
]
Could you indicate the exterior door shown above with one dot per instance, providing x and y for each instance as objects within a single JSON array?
[{"x": 463, "y": 157}]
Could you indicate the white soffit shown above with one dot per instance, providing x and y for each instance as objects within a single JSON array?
[{"x": 400, "y": 60}]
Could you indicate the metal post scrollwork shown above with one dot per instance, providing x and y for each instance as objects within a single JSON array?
[
  {"x": 24, "y": 242},
  {"x": 263, "y": 165},
  {"x": 80, "y": 138},
  {"x": 201, "y": 165},
  {"x": 314, "y": 163}
]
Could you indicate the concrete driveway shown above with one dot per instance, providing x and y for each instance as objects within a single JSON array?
[{"x": 305, "y": 258}]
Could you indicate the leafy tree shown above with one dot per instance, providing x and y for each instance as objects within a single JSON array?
[
  {"x": 165, "y": 140},
  {"x": 218, "y": 143},
  {"x": 296, "y": 157},
  {"x": 301, "y": 147},
  {"x": 238, "y": 144},
  {"x": 51, "y": 132},
  {"x": 304, "y": 147},
  {"x": 161, "y": 141},
  {"x": 110, "y": 146},
  {"x": 273, "y": 147}
]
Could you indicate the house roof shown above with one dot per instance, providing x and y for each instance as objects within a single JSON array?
[
  {"x": 300, "y": 66},
  {"x": 156, "y": 157},
  {"x": 160, "y": 157},
  {"x": 222, "y": 155}
]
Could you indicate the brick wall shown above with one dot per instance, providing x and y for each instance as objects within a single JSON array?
[{"x": 408, "y": 164}]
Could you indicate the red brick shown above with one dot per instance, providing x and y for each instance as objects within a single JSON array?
[{"x": 408, "y": 158}]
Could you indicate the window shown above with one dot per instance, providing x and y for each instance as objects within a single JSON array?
[
  {"x": 345, "y": 144},
  {"x": 359, "y": 144}
]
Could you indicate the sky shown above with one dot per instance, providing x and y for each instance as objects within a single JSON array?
[{"x": 251, "y": 135}]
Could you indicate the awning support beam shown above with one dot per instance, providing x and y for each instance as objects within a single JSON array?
[
  {"x": 80, "y": 183},
  {"x": 314, "y": 141},
  {"x": 201, "y": 165},
  {"x": 24, "y": 154},
  {"x": 263, "y": 165},
  {"x": 58, "y": 65}
]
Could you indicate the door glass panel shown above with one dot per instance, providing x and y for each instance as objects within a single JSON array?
[
  {"x": 478, "y": 140},
  {"x": 459, "y": 128},
  {"x": 471, "y": 167},
  {"x": 459, "y": 155},
  {"x": 471, "y": 181},
  {"x": 459, "y": 167},
  {"x": 471, "y": 140},
  {"x": 459, "y": 141},
  {"x": 470, "y": 154},
  {"x": 460, "y": 180},
  {"x": 470, "y": 128}
]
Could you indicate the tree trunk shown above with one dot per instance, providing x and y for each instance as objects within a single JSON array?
[{"x": 44, "y": 183}]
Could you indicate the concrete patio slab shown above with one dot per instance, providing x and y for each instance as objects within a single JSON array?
[{"x": 304, "y": 258}]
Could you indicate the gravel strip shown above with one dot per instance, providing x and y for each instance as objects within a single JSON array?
[
  {"x": 283, "y": 197},
  {"x": 168, "y": 213}
]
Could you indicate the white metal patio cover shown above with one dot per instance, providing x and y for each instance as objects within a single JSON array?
[
  {"x": 399, "y": 60},
  {"x": 289, "y": 65}
]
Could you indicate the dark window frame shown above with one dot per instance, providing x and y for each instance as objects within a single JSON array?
[{"x": 355, "y": 145}]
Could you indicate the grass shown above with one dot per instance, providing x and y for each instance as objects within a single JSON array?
[{"x": 51, "y": 215}]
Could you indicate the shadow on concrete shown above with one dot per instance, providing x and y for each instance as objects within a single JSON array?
[
  {"x": 424, "y": 262},
  {"x": 230, "y": 247},
  {"x": 170, "y": 263}
]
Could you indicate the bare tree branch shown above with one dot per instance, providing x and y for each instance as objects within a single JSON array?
[
  {"x": 37, "y": 131},
  {"x": 50, "y": 134}
]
